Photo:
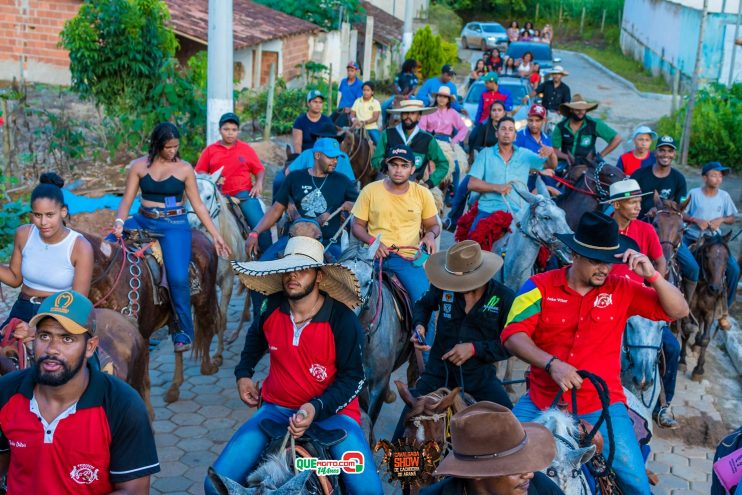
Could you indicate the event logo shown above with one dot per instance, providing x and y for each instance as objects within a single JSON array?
[
  {"x": 350, "y": 463},
  {"x": 409, "y": 462},
  {"x": 84, "y": 474}
]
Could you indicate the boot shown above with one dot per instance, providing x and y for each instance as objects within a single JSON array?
[
  {"x": 689, "y": 288},
  {"x": 665, "y": 418}
]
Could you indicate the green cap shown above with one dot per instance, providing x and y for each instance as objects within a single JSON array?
[
  {"x": 490, "y": 76},
  {"x": 71, "y": 309}
]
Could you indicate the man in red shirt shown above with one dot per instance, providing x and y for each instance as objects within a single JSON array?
[
  {"x": 239, "y": 164},
  {"x": 573, "y": 319},
  {"x": 314, "y": 341},
  {"x": 492, "y": 93},
  {"x": 625, "y": 196}
]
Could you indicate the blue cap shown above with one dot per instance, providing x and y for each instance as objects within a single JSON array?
[
  {"x": 71, "y": 309},
  {"x": 715, "y": 166},
  {"x": 315, "y": 93},
  {"x": 644, "y": 129},
  {"x": 400, "y": 151},
  {"x": 327, "y": 146}
]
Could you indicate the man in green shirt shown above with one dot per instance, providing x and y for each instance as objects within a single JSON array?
[
  {"x": 423, "y": 144},
  {"x": 574, "y": 138}
]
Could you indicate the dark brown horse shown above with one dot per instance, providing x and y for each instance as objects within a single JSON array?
[
  {"x": 709, "y": 300},
  {"x": 111, "y": 290},
  {"x": 357, "y": 145},
  {"x": 590, "y": 187}
]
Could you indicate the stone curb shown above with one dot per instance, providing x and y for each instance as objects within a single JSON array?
[
  {"x": 612, "y": 74},
  {"x": 732, "y": 340}
]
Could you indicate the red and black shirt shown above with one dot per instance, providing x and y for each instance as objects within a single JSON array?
[
  {"x": 103, "y": 439},
  {"x": 322, "y": 364}
]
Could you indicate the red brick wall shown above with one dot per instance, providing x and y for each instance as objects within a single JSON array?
[
  {"x": 295, "y": 51},
  {"x": 268, "y": 58},
  {"x": 33, "y": 33}
]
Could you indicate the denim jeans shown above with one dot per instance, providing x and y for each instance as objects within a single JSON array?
[
  {"x": 253, "y": 212},
  {"x": 23, "y": 310},
  {"x": 671, "y": 348},
  {"x": 375, "y": 135},
  {"x": 686, "y": 262},
  {"x": 732, "y": 279},
  {"x": 459, "y": 200},
  {"x": 277, "y": 181},
  {"x": 413, "y": 278},
  {"x": 628, "y": 462},
  {"x": 246, "y": 446},
  {"x": 176, "y": 253}
]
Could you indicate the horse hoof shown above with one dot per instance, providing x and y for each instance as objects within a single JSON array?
[
  {"x": 217, "y": 361},
  {"x": 696, "y": 376},
  {"x": 209, "y": 368},
  {"x": 172, "y": 395},
  {"x": 682, "y": 367},
  {"x": 390, "y": 397}
]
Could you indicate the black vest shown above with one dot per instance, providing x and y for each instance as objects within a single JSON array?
[
  {"x": 418, "y": 145},
  {"x": 586, "y": 138}
]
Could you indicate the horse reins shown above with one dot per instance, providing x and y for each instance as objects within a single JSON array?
[
  {"x": 575, "y": 472},
  {"x": 625, "y": 348}
]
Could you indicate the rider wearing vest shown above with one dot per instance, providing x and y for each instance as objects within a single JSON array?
[
  {"x": 575, "y": 136},
  {"x": 423, "y": 144},
  {"x": 315, "y": 373}
]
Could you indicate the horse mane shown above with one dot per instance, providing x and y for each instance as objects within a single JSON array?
[
  {"x": 353, "y": 251},
  {"x": 425, "y": 405},
  {"x": 559, "y": 423}
]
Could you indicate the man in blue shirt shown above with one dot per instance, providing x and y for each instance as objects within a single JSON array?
[
  {"x": 432, "y": 85},
  {"x": 350, "y": 89},
  {"x": 532, "y": 137}
]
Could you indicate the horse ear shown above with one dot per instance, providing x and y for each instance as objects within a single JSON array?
[
  {"x": 541, "y": 187},
  {"x": 530, "y": 198},
  {"x": 727, "y": 237},
  {"x": 578, "y": 457},
  {"x": 684, "y": 204},
  {"x": 216, "y": 175},
  {"x": 447, "y": 401},
  {"x": 405, "y": 394},
  {"x": 657, "y": 200}
]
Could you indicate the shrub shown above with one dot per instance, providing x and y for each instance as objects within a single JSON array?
[
  {"x": 13, "y": 214},
  {"x": 715, "y": 128},
  {"x": 431, "y": 52}
]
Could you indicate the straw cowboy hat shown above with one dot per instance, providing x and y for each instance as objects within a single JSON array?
[
  {"x": 489, "y": 441},
  {"x": 411, "y": 106},
  {"x": 463, "y": 267},
  {"x": 558, "y": 69},
  {"x": 597, "y": 238},
  {"x": 578, "y": 103},
  {"x": 301, "y": 253},
  {"x": 444, "y": 91},
  {"x": 624, "y": 189}
]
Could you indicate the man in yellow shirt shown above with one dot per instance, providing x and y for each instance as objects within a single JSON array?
[{"x": 395, "y": 209}]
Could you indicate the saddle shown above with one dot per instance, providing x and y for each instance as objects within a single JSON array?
[
  {"x": 402, "y": 302},
  {"x": 234, "y": 207}
]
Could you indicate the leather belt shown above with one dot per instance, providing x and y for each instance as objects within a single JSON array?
[
  {"x": 162, "y": 213},
  {"x": 31, "y": 299}
]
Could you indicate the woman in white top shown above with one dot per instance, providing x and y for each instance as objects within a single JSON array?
[
  {"x": 525, "y": 66},
  {"x": 47, "y": 256}
]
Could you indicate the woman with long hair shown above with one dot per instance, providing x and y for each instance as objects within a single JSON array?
[
  {"x": 165, "y": 182},
  {"x": 525, "y": 66},
  {"x": 478, "y": 71},
  {"x": 513, "y": 32}
]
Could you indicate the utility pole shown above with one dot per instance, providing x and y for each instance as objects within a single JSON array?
[
  {"x": 220, "y": 79},
  {"x": 407, "y": 29},
  {"x": 734, "y": 45},
  {"x": 685, "y": 144}
]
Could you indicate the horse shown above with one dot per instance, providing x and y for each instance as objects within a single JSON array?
[
  {"x": 590, "y": 185},
  {"x": 387, "y": 344},
  {"x": 709, "y": 300},
  {"x": 668, "y": 222},
  {"x": 360, "y": 150},
  {"x": 119, "y": 284}
]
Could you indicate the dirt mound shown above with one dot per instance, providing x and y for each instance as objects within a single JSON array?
[
  {"x": 270, "y": 152},
  {"x": 99, "y": 222},
  {"x": 701, "y": 430}
]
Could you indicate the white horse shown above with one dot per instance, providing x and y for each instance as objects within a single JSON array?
[{"x": 566, "y": 468}]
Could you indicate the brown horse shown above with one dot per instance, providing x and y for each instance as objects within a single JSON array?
[
  {"x": 357, "y": 145},
  {"x": 111, "y": 289},
  {"x": 709, "y": 300},
  {"x": 591, "y": 183}
]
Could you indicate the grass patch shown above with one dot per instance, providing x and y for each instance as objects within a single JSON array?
[{"x": 626, "y": 67}]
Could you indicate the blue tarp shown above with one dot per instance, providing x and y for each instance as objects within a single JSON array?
[{"x": 82, "y": 204}]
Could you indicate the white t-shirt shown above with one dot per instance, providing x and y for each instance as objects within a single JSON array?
[{"x": 708, "y": 208}]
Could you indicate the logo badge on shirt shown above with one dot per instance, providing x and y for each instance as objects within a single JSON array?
[
  {"x": 319, "y": 372},
  {"x": 84, "y": 474},
  {"x": 603, "y": 300},
  {"x": 586, "y": 141},
  {"x": 491, "y": 306}
]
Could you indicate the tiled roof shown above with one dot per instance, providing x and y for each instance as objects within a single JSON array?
[
  {"x": 252, "y": 22},
  {"x": 387, "y": 28}
]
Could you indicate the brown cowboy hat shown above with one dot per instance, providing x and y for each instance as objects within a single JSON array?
[
  {"x": 577, "y": 103},
  {"x": 489, "y": 441},
  {"x": 463, "y": 267}
]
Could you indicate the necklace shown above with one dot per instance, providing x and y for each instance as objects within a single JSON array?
[
  {"x": 311, "y": 313},
  {"x": 318, "y": 189}
]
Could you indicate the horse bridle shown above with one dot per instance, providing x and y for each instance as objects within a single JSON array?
[
  {"x": 576, "y": 472},
  {"x": 527, "y": 232},
  {"x": 625, "y": 348},
  {"x": 600, "y": 190},
  {"x": 212, "y": 202}
]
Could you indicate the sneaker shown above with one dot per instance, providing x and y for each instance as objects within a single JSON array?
[
  {"x": 666, "y": 419},
  {"x": 181, "y": 342},
  {"x": 724, "y": 323}
]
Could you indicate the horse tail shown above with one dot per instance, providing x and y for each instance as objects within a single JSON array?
[{"x": 207, "y": 320}]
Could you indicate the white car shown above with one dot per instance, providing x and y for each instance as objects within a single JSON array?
[{"x": 484, "y": 36}]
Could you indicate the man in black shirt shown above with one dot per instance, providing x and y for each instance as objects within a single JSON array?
[{"x": 554, "y": 91}]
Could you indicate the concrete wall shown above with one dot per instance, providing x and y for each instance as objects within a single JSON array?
[
  {"x": 663, "y": 35},
  {"x": 335, "y": 48},
  {"x": 29, "y": 33},
  {"x": 396, "y": 7}
]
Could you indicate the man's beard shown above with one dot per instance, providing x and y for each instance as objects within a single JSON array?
[
  {"x": 60, "y": 377},
  {"x": 576, "y": 118},
  {"x": 408, "y": 126},
  {"x": 303, "y": 292}
]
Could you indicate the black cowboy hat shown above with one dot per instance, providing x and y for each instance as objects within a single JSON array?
[
  {"x": 597, "y": 238},
  {"x": 327, "y": 130}
]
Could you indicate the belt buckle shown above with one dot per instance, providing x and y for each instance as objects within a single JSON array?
[{"x": 35, "y": 300}]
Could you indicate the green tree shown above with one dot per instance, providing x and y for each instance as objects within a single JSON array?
[
  {"x": 324, "y": 13},
  {"x": 431, "y": 52}
]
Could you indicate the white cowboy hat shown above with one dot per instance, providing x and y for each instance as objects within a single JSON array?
[
  {"x": 558, "y": 69},
  {"x": 301, "y": 253},
  {"x": 624, "y": 189},
  {"x": 412, "y": 106},
  {"x": 444, "y": 91}
]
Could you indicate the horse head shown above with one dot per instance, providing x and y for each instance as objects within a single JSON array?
[
  {"x": 428, "y": 417},
  {"x": 566, "y": 468},
  {"x": 713, "y": 256},
  {"x": 361, "y": 262},
  {"x": 642, "y": 341},
  {"x": 210, "y": 196},
  {"x": 603, "y": 175},
  {"x": 668, "y": 222},
  {"x": 543, "y": 220},
  {"x": 273, "y": 477}
]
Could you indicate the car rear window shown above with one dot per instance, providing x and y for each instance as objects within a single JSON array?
[
  {"x": 474, "y": 93},
  {"x": 516, "y": 88},
  {"x": 493, "y": 28},
  {"x": 540, "y": 51}
]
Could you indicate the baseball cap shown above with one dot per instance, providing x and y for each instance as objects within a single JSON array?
[
  {"x": 315, "y": 93},
  {"x": 71, "y": 309},
  {"x": 644, "y": 129},
  {"x": 447, "y": 69},
  {"x": 715, "y": 166},
  {"x": 401, "y": 151},
  {"x": 352, "y": 64},
  {"x": 330, "y": 147},
  {"x": 667, "y": 141},
  {"x": 490, "y": 76},
  {"x": 229, "y": 117},
  {"x": 537, "y": 110}
]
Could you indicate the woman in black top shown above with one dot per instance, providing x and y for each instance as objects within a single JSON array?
[
  {"x": 484, "y": 134},
  {"x": 164, "y": 179}
]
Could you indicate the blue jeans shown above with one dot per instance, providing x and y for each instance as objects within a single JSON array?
[
  {"x": 732, "y": 279},
  {"x": 413, "y": 278},
  {"x": 628, "y": 462},
  {"x": 23, "y": 310},
  {"x": 459, "y": 200},
  {"x": 277, "y": 181},
  {"x": 375, "y": 135},
  {"x": 176, "y": 253},
  {"x": 244, "y": 449},
  {"x": 671, "y": 348},
  {"x": 253, "y": 212},
  {"x": 686, "y": 262}
]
